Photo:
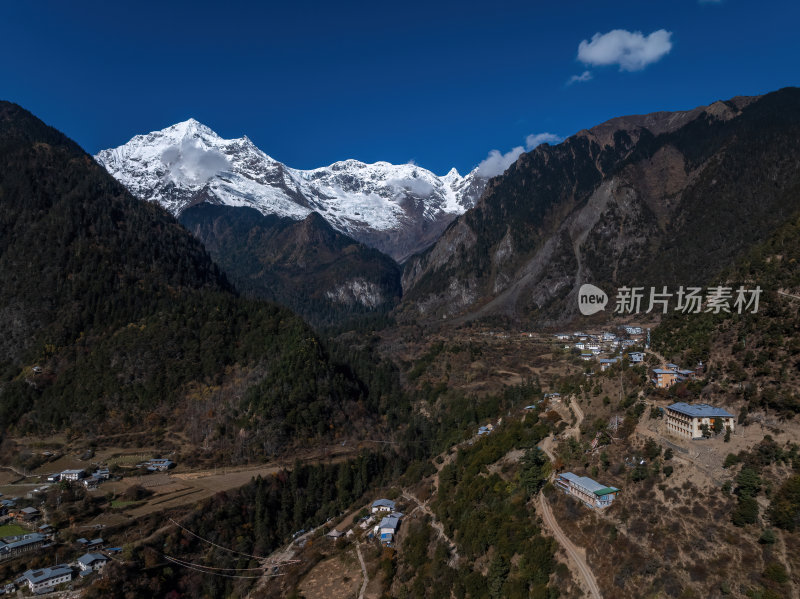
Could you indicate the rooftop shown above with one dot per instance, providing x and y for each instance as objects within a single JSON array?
[
  {"x": 699, "y": 410},
  {"x": 37, "y": 576},
  {"x": 89, "y": 558},
  {"x": 390, "y": 522},
  {"x": 589, "y": 484}
]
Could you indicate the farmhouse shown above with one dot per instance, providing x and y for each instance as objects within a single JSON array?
[
  {"x": 72, "y": 474},
  {"x": 387, "y": 529},
  {"x": 40, "y": 580},
  {"x": 607, "y": 363},
  {"x": 92, "y": 561},
  {"x": 383, "y": 505},
  {"x": 590, "y": 492},
  {"x": 688, "y": 420},
  {"x": 28, "y": 514},
  {"x": 636, "y": 357}
]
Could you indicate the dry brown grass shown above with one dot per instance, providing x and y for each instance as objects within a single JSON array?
[{"x": 338, "y": 577}]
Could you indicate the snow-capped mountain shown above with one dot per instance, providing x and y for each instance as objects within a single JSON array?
[{"x": 398, "y": 209}]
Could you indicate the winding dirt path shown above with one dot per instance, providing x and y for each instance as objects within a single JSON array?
[
  {"x": 364, "y": 571},
  {"x": 574, "y": 553},
  {"x": 437, "y": 526},
  {"x": 661, "y": 358}
]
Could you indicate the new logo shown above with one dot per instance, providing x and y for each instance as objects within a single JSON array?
[{"x": 591, "y": 299}]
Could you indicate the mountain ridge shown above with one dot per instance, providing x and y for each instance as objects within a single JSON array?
[
  {"x": 614, "y": 207},
  {"x": 398, "y": 209}
]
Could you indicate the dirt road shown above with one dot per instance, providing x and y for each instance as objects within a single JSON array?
[
  {"x": 437, "y": 526},
  {"x": 364, "y": 571},
  {"x": 661, "y": 358},
  {"x": 573, "y": 552}
]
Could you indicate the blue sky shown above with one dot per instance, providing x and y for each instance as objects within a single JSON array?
[{"x": 440, "y": 83}]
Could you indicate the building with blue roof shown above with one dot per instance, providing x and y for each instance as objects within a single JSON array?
[
  {"x": 687, "y": 420},
  {"x": 590, "y": 492},
  {"x": 387, "y": 528},
  {"x": 14, "y": 546},
  {"x": 92, "y": 561},
  {"x": 383, "y": 505},
  {"x": 46, "y": 578}
]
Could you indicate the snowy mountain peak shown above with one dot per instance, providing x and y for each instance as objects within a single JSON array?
[{"x": 399, "y": 209}]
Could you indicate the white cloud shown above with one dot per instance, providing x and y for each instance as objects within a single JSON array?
[
  {"x": 537, "y": 139},
  {"x": 632, "y": 51},
  {"x": 585, "y": 76},
  {"x": 189, "y": 162},
  {"x": 497, "y": 162},
  {"x": 414, "y": 186}
]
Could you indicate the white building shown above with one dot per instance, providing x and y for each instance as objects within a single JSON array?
[
  {"x": 687, "y": 420},
  {"x": 72, "y": 474},
  {"x": 590, "y": 492},
  {"x": 40, "y": 580},
  {"x": 387, "y": 529},
  {"x": 92, "y": 561},
  {"x": 383, "y": 505}
]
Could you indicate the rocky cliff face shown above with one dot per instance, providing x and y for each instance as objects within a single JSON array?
[
  {"x": 661, "y": 199},
  {"x": 306, "y": 265}
]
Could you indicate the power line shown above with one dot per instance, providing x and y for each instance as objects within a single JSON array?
[
  {"x": 187, "y": 563},
  {"x": 259, "y": 557},
  {"x": 203, "y": 571},
  {"x": 214, "y": 544}
]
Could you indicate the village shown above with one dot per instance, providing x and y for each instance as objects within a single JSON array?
[
  {"x": 30, "y": 533},
  {"x": 379, "y": 524}
]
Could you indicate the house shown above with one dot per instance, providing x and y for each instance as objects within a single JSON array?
[
  {"x": 687, "y": 420},
  {"x": 636, "y": 357},
  {"x": 91, "y": 482},
  {"x": 54, "y": 478},
  {"x": 92, "y": 561},
  {"x": 14, "y": 546},
  {"x": 607, "y": 363},
  {"x": 335, "y": 534},
  {"x": 72, "y": 474},
  {"x": 387, "y": 529},
  {"x": 633, "y": 330},
  {"x": 663, "y": 378},
  {"x": 46, "y": 578},
  {"x": 590, "y": 492},
  {"x": 383, "y": 505},
  {"x": 28, "y": 514},
  {"x": 94, "y": 543},
  {"x": 102, "y": 474},
  {"x": 587, "y": 356},
  {"x": 161, "y": 465}
]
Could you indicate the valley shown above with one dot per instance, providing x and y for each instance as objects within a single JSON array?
[{"x": 445, "y": 427}]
